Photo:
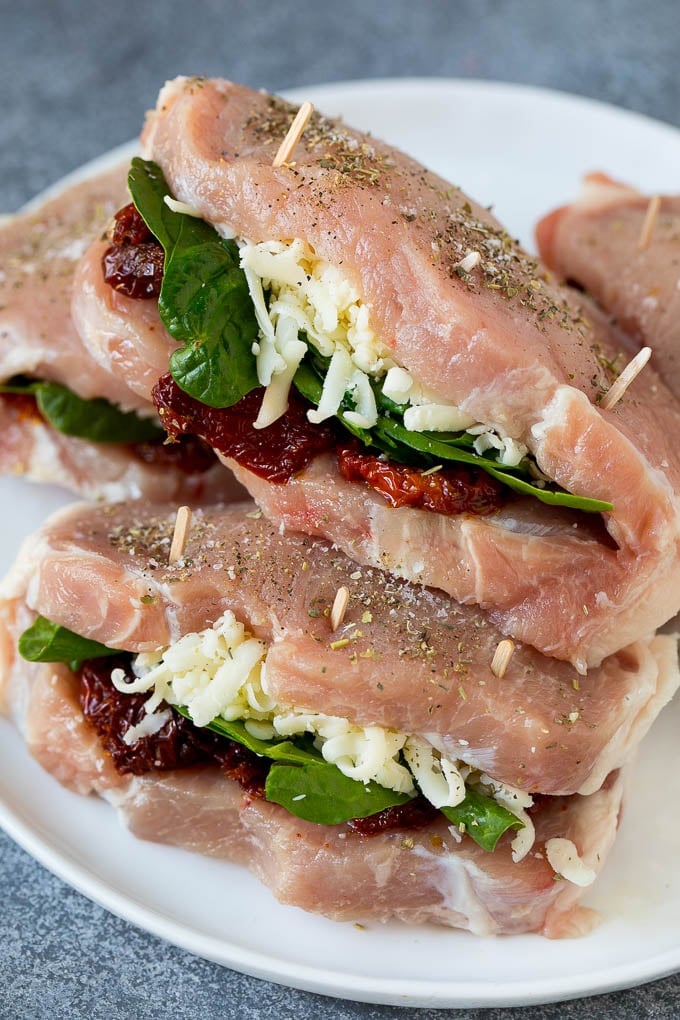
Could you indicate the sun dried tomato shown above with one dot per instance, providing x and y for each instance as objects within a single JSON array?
[
  {"x": 415, "y": 814},
  {"x": 180, "y": 744},
  {"x": 134, "y": 263},
  {"x": 129, "y": 227},
  {"x": 112, "y": 713},
  {"x": 21, "y": 406},
  {"x": 135, "y": 270},
  {"x": 188, "y": 454},
  {"x": 276, "y": 453},
  {"x": 452, "y": 490}
]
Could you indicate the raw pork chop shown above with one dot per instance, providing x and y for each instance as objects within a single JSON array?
[
  {"x": 600, "y": 242},
  {"x": 405, "y": 657},
  {"x": 40, "y": 252},
  {"x": 426, "y": 875},
  {"x": 32, "y": 448}
]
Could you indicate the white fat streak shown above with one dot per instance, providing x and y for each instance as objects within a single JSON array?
[{"x": 564, "y": 859}]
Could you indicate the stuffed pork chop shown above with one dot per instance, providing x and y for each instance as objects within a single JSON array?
[
  {"x": 66, "y": 416},
  {"x": 624, "y": 249},
  {"x": 318, "y": 755},
  {"x": 428, "y": 351},
  {"x": 401, "y": 659}
]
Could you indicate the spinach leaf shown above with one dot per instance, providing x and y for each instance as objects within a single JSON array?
[
  {"x": 441, "y": 449},
  {"x": 204, "y": 302},
  {"x": 484, "y": 819},
  {"x": 97, "y": 420},
  {"x": 45, "y": 641},
  {"x": 321, "y": 793},
  {"x": 391, "y": 437},
  {"x": 298, "y": 753},
  {"x": 304, "y": 783},
  {"x": 311, "y": 788}
]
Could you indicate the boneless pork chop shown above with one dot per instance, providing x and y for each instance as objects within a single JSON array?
[
  {"x": 31, "y": 448},
  {"x": 403, "y": 657},
  {"x": 446, "y": 298},
  {"x": 429, "y": 874},
  {"x": 108, "y": 563},
  {"x": 601, "y": 242}
]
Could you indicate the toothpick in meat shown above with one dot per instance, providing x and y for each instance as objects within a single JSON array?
[
  {"x": 180, "y": 534},
  {"x": 632, "y": 369},
  {"x": 294, "y": 132}
]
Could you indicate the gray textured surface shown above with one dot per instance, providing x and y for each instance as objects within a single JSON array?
[{"x": 76, "y": 79}]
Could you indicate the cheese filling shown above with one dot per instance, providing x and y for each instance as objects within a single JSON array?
[
  {"x": 220, "y": 672},
  {"x": 308, "y": 295}
]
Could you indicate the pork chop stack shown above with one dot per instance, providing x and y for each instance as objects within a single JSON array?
[{"x": 408, "y": 683}]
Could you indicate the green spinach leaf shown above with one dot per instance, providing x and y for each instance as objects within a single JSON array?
[
  {"x": 97, "y": 420},
  {"x": 391, "y": 437},
  {"x": 204, "y": 302},
  {"x": 45, "y": 641},
  {"x": 300, "y": 752},
  {"x": 304, "y": 783},
  {"x": 485, "y": 820},
  {"x": 321, "y": 793}
]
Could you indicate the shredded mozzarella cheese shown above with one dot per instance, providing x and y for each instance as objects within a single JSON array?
[
  {"x": 564, "y": 859},
  {"x": 309, "y": 295}
]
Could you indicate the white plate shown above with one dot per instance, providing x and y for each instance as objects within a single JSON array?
[{"x": 524, "y": 150}]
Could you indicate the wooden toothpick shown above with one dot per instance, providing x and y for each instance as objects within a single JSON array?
[
  {"x": 632, "y": 369},
  {"x": 294, "y": 131},
  {"x": 180, "y": 534},
  {"x": 501, "y": 657},
  {"x": 339, "y": 609},
  {"x": 649, "y": 222}
]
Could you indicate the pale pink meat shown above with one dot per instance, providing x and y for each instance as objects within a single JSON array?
[
  {"x": 33, "y": 449},
  {"x": 425, "y": 877},
  {"x": 422, "y": 876},
  {"x": 42, "y": 252},
  {"x": 408, "y": 658},
  {"x": 125, "y": 336},
  {"x": 39, "y": 253},
  {"x": 42, "y": 701},
  {"x": 505, "y": 344},
  {"x": 596, "y": 242}
]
